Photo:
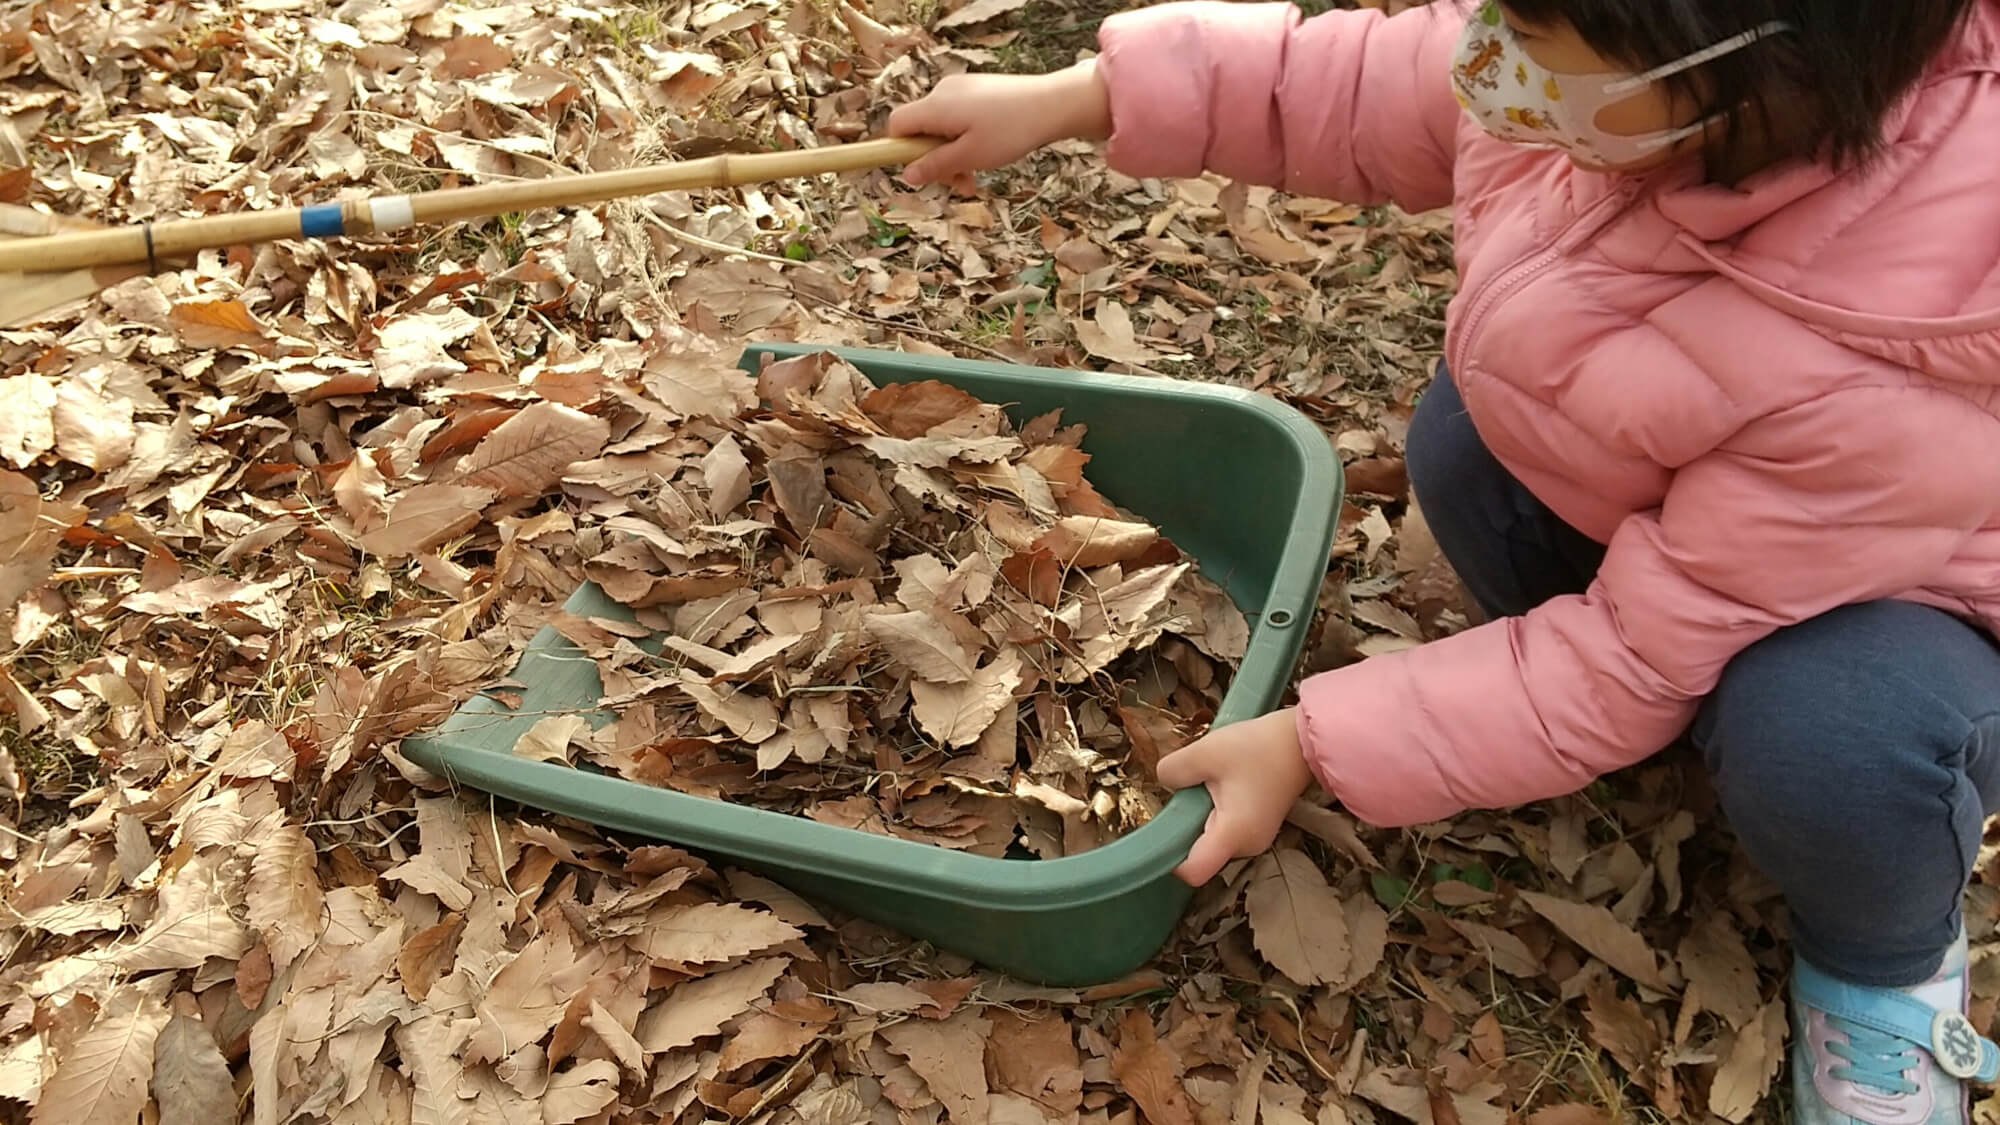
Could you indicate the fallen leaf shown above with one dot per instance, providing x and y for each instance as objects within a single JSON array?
[
  {"x": 1147, "y": 1071},
  {"x": 978, "y": 11},
  {"x": 1088, "y": 541},
  {"x": 284, "y": 894},
  {"x": 93, "y": 427},
  {"x": 693, "y": 1010},
  {"x": 469, "y": 56},
  {"x": 921, "y": 643},
  {"x": 749, "y": 717},
  {"x": 27, "y": 418},
  {"x": 217, "y": 324},
  {"x": 191, "y": 1079},
  {"x": 194, "y": 922},
  {"x": 1746, "y": 1072},
  {"x": 422, "y": 517},
  {"x": 1406, "y": 1095},
  {"x": 1109, "y": 336},
  {"x": 782, "y": 902},
  {"x": 764, "y": 1036},
  {"x": 528, "y": 453},
  {"x": 711, "y": 931},
  {"x": 1299, "y": 924},
  {"x": 1508, "y": 953},
  {"x": 957, "y": 714},
  {"x": 1717, "y": 964},
  {"x": 425, "y": 957},
  {"x": 1594, "y": 928},
  {"x": 910, "y": 410},
  {"x": 579, "y": 1092},
  {"x": 727, "y": 474},
  {"x": 103, "y": 1075},
  {"x": 550, "y": 739},
  {"x": 1037, "y": 1058},
  {"x": 950, "y": 1057}
]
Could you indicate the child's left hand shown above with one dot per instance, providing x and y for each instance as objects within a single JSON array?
[{"x": 1255, "y": 771}]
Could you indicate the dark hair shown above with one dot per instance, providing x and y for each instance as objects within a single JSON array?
[{"x": 1820, "y": 90}]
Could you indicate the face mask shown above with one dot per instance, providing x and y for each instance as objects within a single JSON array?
[{"x": 1517, "y": 99}]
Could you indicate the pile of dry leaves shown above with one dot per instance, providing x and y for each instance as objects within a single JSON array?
[
  {"x": 249, "y": 546},
  {"x": 856, "y": 594}
]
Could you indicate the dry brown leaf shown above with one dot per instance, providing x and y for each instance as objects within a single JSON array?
[
  {"x": 950, "y": 1057},
  {"x": 194, "y": 922},
  {"x": 1109, "y": 336},
  {"x": 1508, "y": 953},
  {"x": 711, "y": 931},
  {"x": 579, "y": 1092},
  {"x": 528, "y": 453},
  {"x": 426, "y": 956},
  {"x": 1746, "y": 1072},
  {"x": 550, "y": 739},
  {"x": 616, "y": 1035},
  {"x": 1088, "y": 541},
  {"x": 909, "y": 410},
  {"x": 1718, "y": 965},
  {"x": 217, "y": 324},
  {"x": 957, "y": 714},
  {"x": 1405, "y": 1094},
  {"x": 696, "y": 1009},
  {"x": 27, "y": 419},
  {"x": 520, "y": 1005},
  {"x": 1335, "y": 828},
  {"x": 284, "y": 895},
  {"x": 781, "y": 901},
  {"x": 727, "y": 474},
  {"x": 103, "y": 1075},
  {"x": 191, "y": 1079},
  {"x": 1037, "y": 1058},
  {"x": 469, "y": 56},
  {"x": 762, "y": 1035},
  {"x": 921, "y": 643},
  {"x": 1299, "y": 924},
  {"x": 362, "y": 493},
  {"x": 978, "y": 11},
  {"x": 1594, "y": 928},
  {"x": 749, "y": 717},
  {"x": 422, "y": 517},
  {"x": 1149, "y": 1073}
]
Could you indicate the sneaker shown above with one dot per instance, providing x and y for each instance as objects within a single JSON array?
[{"x": 1886, "y": 1056}]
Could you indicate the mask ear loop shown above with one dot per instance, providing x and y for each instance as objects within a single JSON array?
[{"x": 1707, "y": 54}]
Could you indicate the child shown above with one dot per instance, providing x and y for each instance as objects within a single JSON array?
[{"x": 1717, "y": 443}]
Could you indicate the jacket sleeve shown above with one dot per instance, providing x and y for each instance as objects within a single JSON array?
[
  {"x": 1779, "y": 525},
  {"x": 1349, "y": 105}
]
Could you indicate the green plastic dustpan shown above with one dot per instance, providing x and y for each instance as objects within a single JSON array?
[{"x": 1246, "y": 485}]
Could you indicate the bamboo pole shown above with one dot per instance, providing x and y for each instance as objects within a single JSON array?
[{"x": 147, "y": 244}]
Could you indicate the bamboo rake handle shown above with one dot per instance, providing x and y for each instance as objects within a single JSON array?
[{"x": 148, "y": 243}]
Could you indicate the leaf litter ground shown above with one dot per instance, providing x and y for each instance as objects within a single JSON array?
[{"x": 269, "y": 514}]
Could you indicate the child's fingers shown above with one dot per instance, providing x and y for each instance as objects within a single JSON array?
[
  {"x": 940, "y": 163},
  {"x": 1187, "y": 767},
  {"x": 915, "y": 119},
  {"x": 1211, "y": 852}
]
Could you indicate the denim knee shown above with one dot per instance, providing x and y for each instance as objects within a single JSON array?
[{"x": 1852, "y": 774}]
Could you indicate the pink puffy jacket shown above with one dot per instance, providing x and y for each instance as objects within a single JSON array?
[{"x": 1770, "y": 401}]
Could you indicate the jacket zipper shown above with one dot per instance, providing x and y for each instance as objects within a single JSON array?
[{"x": 1534, "y": 265}]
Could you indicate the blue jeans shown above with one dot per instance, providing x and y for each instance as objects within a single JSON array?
[{"x": 1856, "y": 755}]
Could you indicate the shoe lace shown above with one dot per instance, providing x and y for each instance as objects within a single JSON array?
[{"x": 1874, "y": 1059}]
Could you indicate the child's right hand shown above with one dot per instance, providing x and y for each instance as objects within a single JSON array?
[{"x": 993, "y": 119}]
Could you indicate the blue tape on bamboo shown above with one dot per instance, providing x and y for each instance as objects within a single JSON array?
[{"x": 322, "y": 221}]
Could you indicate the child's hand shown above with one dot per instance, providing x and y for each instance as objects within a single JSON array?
[
  {"x": 996, "y": 119},
  {"x": 1255, "y": 771}
]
